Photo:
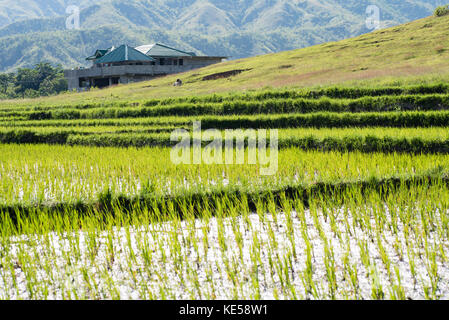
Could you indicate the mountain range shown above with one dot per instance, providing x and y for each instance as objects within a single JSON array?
[{"x": 32, "y": 31}]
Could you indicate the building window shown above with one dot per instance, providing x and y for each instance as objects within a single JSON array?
[
  {"x": 175, "y": 62},
  {"x": 162, "y": 61},
  {"x": 181, "y": 62}
]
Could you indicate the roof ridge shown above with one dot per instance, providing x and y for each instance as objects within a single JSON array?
[
  {"x": 168, "y": 47},
  {"x": 127, "y": 53}
]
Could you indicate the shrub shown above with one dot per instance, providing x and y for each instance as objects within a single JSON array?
[{"x": 441, "y": 11}]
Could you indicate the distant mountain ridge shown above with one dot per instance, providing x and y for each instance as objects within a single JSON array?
[
  {"x": 35, "y": 30},
  {"x": 13, "y": 11}
]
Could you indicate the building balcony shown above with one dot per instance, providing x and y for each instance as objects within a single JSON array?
[{"x": 101, "y": 72}]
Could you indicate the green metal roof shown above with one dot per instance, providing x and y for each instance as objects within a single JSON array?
[
  {"x": 124, "y": 53},
  {"x": 98, "y": 54},
  {"x": 160, "y": 50}
]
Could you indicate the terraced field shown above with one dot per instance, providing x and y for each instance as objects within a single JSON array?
[
  {"x": 92, "y": 207},
  {"x": 406, "y": 119}
]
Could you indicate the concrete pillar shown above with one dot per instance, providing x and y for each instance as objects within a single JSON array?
[{"x": 124, "y": 79}]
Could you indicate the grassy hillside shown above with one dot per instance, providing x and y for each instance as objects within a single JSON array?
[{"x": 411, "y": 53}]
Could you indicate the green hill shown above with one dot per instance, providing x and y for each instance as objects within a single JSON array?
[{"x": 35, "y": 30}]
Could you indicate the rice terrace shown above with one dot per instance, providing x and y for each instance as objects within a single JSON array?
[{"x": 93, "y": 206}]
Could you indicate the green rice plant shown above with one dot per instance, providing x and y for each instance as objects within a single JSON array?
[
  {"x": 307, "y": 275},
  {"x": 377, "y": 292},
  {"x": 397, "y": 291},
  {"x": 364, "y": 254},
  {"x": 329, "y": 262},
  {"x": 351, "y": 273},
  {"x": 432, "y": 269},
  {"x": 384, "y": 256},
  {"x": 289, "y": 275},
  {"x": 287, "y": 209},
  {"x": 256, "y": 260}
]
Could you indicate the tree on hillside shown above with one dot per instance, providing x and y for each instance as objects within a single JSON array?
[
  {"x": 43, "y": 79},
  {"x": 5, "y": 80},
  {"x": 45, "y": 71},
  {"x": 26, "y": 79},
  {"x": 53, "y": 86}
]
